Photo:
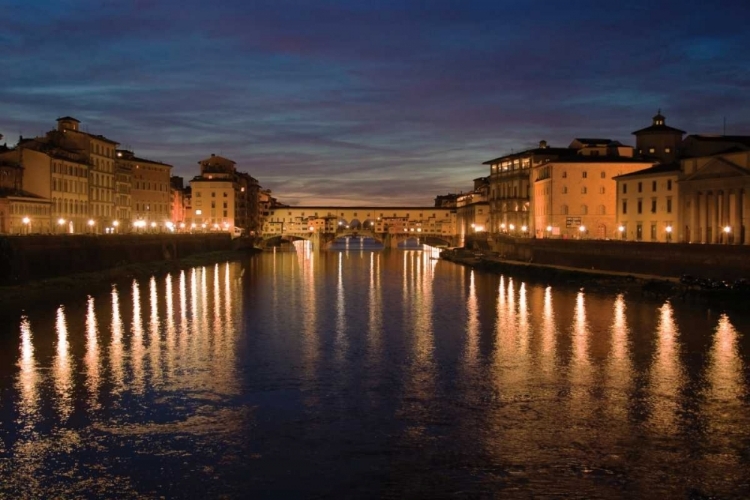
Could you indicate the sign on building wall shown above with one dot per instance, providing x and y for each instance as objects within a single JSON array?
[{"x": 572, "y": 221}]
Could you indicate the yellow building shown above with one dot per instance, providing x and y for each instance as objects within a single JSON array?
[
  {"x": 510, "y": 187},
  {"x": 575, "y": 197},
  {"x": 648, "y": 204},
  {"x": 58, "y": 176},
  {"x": 98, "y": 153},
  {"x": 473, "y": 211},
  {"x": 21, "y": 212},
  {"x": 150, "y": 192}
]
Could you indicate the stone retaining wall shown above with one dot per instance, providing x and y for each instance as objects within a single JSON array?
[
  {"x": 726, "y": 262},
  {"x": 26, "y": 258}
]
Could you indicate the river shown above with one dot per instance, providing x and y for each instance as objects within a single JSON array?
[{"x": 370, "y": 374}]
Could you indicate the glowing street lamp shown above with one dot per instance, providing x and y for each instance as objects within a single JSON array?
[
  {"x": 524, "y": 228},
  {"x": 512, "y": 227},
  {"x": 727, "y": 230},
  {"x": 622, "y": 231},
  {"x": 26, "y": 223},
  {"x": 582, "y": 229},
  {"x": 91, "y": 225},
  {"x": 668, "y": 229}
]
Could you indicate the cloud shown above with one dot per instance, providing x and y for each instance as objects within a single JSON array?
[{"x": 394, "y": 101}]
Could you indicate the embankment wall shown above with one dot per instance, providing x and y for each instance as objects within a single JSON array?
[
  {"x": 725, "y": 262},
  {"x": 27, "y": 258}
]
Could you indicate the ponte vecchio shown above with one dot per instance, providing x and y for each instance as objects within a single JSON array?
[{"x": 389, "y": 225}]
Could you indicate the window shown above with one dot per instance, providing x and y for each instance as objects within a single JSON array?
[
  {"x": 653, "y": 205},
  {"x": 225, "y": 195},
  {"x": 213, "y": 194},
  {"x": 669, "y": 205},
  {"x": 583, "y": 190},
  {"x": 564, "y": 209},
  {"x": 564, "y": 174},
  {"x": 640, "y": 207},
  {"x": 625, "y": 207},
  {"x": 640, "y": 187},
  {"x": 639, "y": 232},
  {"x": 653, "y": 186},
  {"x": 584, "y": 174},
  {"x": 601, "y": 190},
  {"x": 604, "y": 175},
  {"x": 651, "y": 150},
  {"x": 624, "y": 188},
  {"x": 565, "y": 189},
  {"x": 225, "y": 204},
  {"x": 667, "y": 150},
  {"x": 653, "y": 232},
  {"x": 669, "y": 185},
  {"x": 584, "y": 210}
]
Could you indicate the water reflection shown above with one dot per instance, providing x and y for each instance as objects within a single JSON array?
[
  {"x": 137, "y": 350},
  {"x": 395, "y": 364},
  {"x": 725, "y": 374},
  {"x": 28, "y": 378},
  {"x": 62, "y": 369},
  {"x": 91, "y": 360},
  {"x": 116, "y": 347},
  {"x": 667, "y": 377}
]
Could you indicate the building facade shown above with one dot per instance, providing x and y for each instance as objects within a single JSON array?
[
  {"x": 510, "y": 190},
  {"x": 575, "y": 197},
  {"x": 150, "y": 192},
  {"x": 648, "y": 204},
  {"x": 714, "y": 198}
]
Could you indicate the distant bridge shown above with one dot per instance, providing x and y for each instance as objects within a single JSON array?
[{"x": 388, "y": 225}]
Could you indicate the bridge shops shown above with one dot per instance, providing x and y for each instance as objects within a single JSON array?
[{"x": 382, "y": 223}]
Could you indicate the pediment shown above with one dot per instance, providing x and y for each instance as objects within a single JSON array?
[{"x": 718, "y": 168}]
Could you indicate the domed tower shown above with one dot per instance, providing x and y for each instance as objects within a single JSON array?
[
  {"x": 659, "y": 141},
  {"x": 67, "y": 123}
]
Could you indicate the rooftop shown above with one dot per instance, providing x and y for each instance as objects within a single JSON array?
[{"x": 662, "y": 168}]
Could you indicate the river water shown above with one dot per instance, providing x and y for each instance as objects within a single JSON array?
[{"x": 368, "y": 374}]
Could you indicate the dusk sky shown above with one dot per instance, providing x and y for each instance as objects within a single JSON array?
[{"x": 376, "y": 102}]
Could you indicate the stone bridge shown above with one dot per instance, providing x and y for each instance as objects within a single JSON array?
[
  {"x": 323, "y": 240},
  {"x": 388, "y": 225}
]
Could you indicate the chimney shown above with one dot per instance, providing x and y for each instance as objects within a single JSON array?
[{"x": 542, "y": 144}]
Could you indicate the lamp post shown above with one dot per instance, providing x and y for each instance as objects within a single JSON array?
[
  {"x": 61, "y": 223},
  {"x": 622, "y": 232},
  {"x": 582, "y": 230},
  {"x": 727, "y": 230},
  {"x": 115, "y": 224},
  {"x": 524, "y": 229},
  {"x": 549, "y": 231},
  {"x": 26, "y": 224},
  {"x": 668, "y": 229},
  {"x": 91, "y": 226}
]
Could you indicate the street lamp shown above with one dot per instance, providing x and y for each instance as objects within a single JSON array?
[
  {"x": 727, "y": 230},
  {"x": 91, "y": 225},
  {"x": 26, "y": 223},
  {"x": 115, "y": 224},
  {"x": 668, "y": 229},
  {"x": 61, "y": 223},
  {"x": 524, "y": 228},
  {"x": 512, "y": 227},
  {"x": 582, "y": 230},
  {"x": 622, "y": 231}
]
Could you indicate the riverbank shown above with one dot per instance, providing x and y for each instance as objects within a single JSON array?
[
  {"x": 663, "y": 287},
  {"x": 13, "y": 296}
]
